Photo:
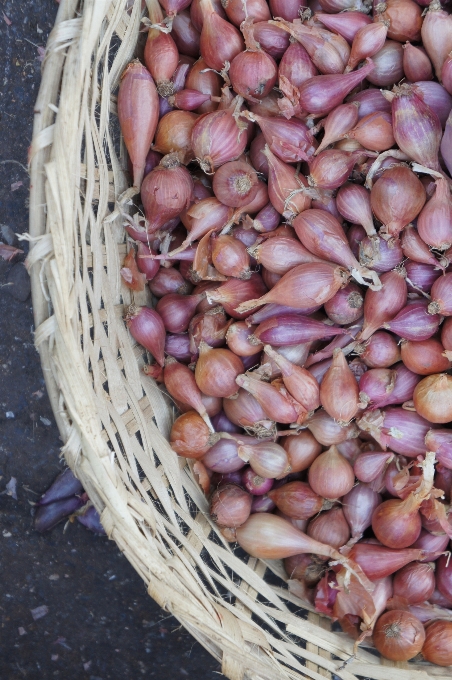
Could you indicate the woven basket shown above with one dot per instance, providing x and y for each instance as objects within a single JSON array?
[{"x": 113, "y": 419}]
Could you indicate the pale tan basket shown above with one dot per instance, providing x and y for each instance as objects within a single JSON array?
[{"x": 114, "y": 420}]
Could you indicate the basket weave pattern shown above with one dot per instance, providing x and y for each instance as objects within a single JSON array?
[{"x": 113, "y": 419}]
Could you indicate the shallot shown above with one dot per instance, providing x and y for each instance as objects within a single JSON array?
[{"x": 304, "y": 147}]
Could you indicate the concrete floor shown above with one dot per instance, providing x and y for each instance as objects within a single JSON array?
[{"x": 100, "y": 623}]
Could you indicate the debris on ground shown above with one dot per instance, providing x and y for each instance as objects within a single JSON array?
[
  {"x": 9, "y": 253},
  {"x": 39, "y": 612},
  {"x": 11, "y": 488}
]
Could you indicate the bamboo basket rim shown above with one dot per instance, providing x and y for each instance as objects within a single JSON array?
[{"x": 113, "y": 420}]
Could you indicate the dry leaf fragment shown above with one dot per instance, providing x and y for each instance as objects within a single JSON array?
[{"x": 9, "y": 253}]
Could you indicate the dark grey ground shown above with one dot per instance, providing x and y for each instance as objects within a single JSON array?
[{"x": 101, "y": 624}]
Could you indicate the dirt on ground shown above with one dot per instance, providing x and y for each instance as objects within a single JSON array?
[{"x": 71, "y": 606}]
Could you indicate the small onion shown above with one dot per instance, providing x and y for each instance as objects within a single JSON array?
[
  {"x": 397, "y": 197},
  {"x": 404, "y": 18},
  {"x": 254, "y": 72},
  {"x": 425, "y": 357},
  {"x": 297, "y": 500},
  {"x": 272, "y": 39},
  {"x": 138, "y": 115},
  {"x": 438, "y": 643},
  {"x": 206, "y": 81},
  {"x": 244, "y": 410},
  {"x": 431, "y": 544},
  {"x": 436, "y": 97},
  {"x": 444, "y": 577},
  {"x": 433, "y": 398},
  {"x": 415, "y": 582},
  {"x": 307, "y": 568},
  {"x": 176, "y": 310},
  {"x": 388, "y": 64},
  {"x": 377, "y": 561},
  {"x": 235, "y": 184},
  {"x": 371, "y": 464},
  {"x": 302, "y": 449},
  {"x": 220, "y": 40},
  {"x": 270, "y": 537},
  {"x": 327, "y": 431},
  {"x": 330, "y": 527},
  {"x": 398, "y": 635},
  {"x": 223, "y": 457},
  {"x": 185, "y": 35},
  {"x": 381, "y": 351},
  {"x": 174, "y": 134},
  {"x": 147, "y": 328},
  {"x": 339, "y": 392},
  {"x": 358, "y": 505},
  {"x": 166, "y": 191},
  {"x": 346, "y": 306},
  {"x": 210, "y": 327},
  {"x": 441, "y": 293},
  {"x": 190, "y": 437},
  {"x": 380, "y": 255},
  {"x": 216, "y": 371},
  {"x": 229, "y": 256},
  {"x": 230, "y": 506},
  {"x": 217, "y": 139},
  {"x": 256, "y": 484},
  {"x": 267, "y": 459},
  {"x": 168, "y": 280},
  {"x": 400, "y": 430},
  {"x": 331, "y": 475}
]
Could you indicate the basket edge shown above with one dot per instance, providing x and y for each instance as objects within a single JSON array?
[
  {"x": 43, "y": 116},
  {"x": 52, "y": 73}
]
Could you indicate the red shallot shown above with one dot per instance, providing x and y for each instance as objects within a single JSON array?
[
  {"x": 398, "y": 635},
  {"x": 331, "y": 475},
  {"x": 138, "y": 115}
]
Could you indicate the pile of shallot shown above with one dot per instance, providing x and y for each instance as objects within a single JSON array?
[
  {"x": 66, "y": 499},
  {"x": 295, "y": 229}
]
